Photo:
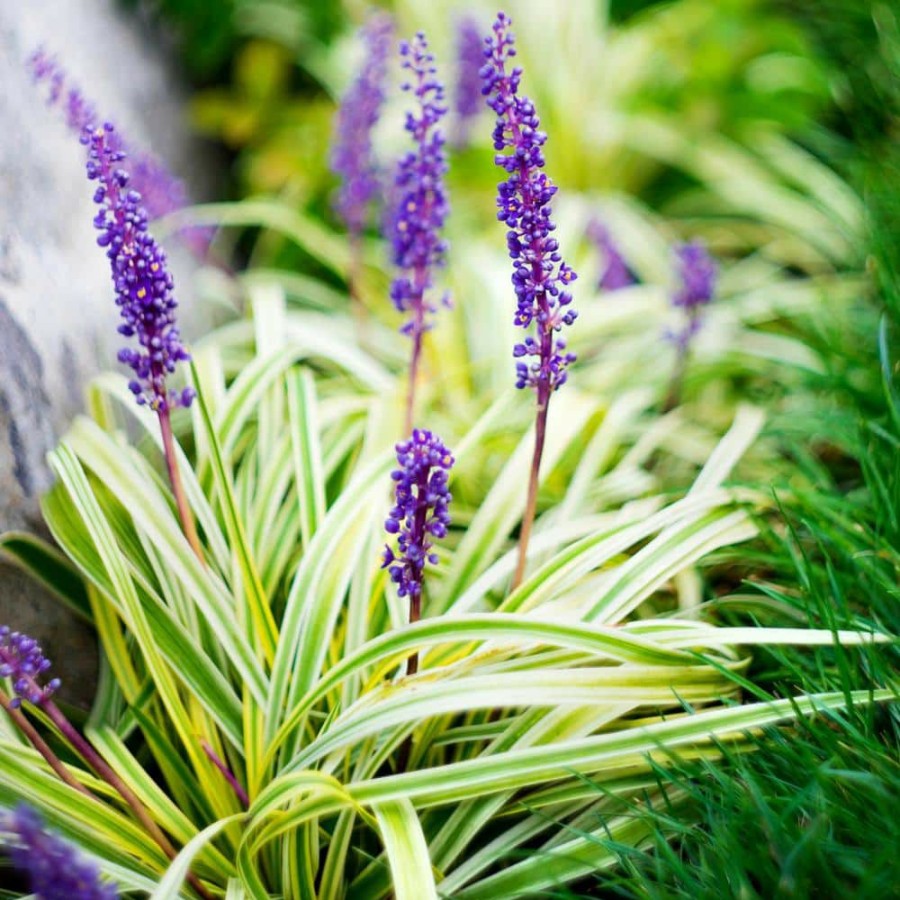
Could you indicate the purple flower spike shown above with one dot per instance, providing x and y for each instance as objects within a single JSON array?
[
  {"x": 162, "y": 192},
  {"x": 56, "y": 871},
  {"x": 420, "y": 196},
  {"x": 697, "y": 276},
  {"x": 469, "y": 59},
  {"x": 540, "y": 277},
  {"x": 23, "y": 661},
  {"x": 351, "y": 155},
  {"x": 142, "y": 281},
  {"x": 615, "y": 274},
  {"x": 77, "y": 109},
  {"x": 420, "y": 511}
]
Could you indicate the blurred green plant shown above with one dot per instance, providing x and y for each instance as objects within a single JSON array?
[{"x": 285, "y": 135}]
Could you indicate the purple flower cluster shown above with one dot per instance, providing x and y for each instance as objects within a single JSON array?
[
  {"x": 420, "y": 510},
  {"x": 469, "y": 59},
  {"x": 540, "y": 276},
  {"x": 162, "y": 192},
  {"x": 23, "y": 661},
  {"x": 697, "y": 284},
  {"x": 56, "y": 871},
  {"x": 142, "y": 282},
  {"x": 351, "y": 156},
  {"x": 420, "y": 198},
  {"x": 615, "y": 274}
]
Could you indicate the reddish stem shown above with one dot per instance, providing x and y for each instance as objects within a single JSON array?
[
  {"x": 414, "y": 361},
  {"x": 673, "y": 394},
  {"x": 418, "y": 536},
  {"x": 354, "y": 280},
  {"x": 412, "y": 666},
  {"x": 676, "y": 382},
  {"x": 415, "y": 613},
  {"x": 41, "y": 746},
  {"x": 229, "y": 776},
  {"x": 184, "y": 510},
  {"x": 355, "y": 272},
  {"x": 545, "y": 333},
  {"x": 540, "y": 434},
  {"x": 106, "y": 772}
]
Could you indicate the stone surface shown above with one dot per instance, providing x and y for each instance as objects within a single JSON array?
[{"x": 57, "y": 316}]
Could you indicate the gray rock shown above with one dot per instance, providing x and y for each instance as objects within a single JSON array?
[{"x": 57, "y": 315}]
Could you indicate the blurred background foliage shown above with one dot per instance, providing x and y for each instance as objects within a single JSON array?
[{"x": 268, "y": 72}]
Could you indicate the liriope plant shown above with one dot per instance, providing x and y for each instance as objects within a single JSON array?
[
  {"x": 258, "y": 698},
  {"x": 281, "y": 658}
]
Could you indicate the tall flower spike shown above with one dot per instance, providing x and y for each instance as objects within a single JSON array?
[
  {"x": 142, "y": 282},
  {"x": 144, "y": 296},
  {"x": 351, "y": 154},
  {"x": 420, "y": 511},
  {"x": 467, "y": 94},
  {"x": 161, "y": 191},
  {"x": 697, "y": 284},
  {"x": 23, "y": 662},
  {"x": 615, "y": 272},
  {"x": 540, "y": 277},
  {"x": 421, "y": 205},
  {"x": 56, "y": 871}
]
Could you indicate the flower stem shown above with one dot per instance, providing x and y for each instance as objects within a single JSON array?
[
  {"x": 229, "y": 776},
  {"x": 354, "y": 282},
  {"x": 676, "y": 381},
  {"x": 414, "y": 360},
  {"x": 412, "y": 666},
  {"x": 42, "y": 746},
  {"x": 106, "y": 772},
  {"x": 354, "y": 274},
  {"x": 417, "y": 331},
  {"x": 540, "y": 434},
  {"x": 184, "y": 510},
  {"x": 415, "y": 613}
]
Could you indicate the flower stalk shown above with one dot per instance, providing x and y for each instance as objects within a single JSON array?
[
  {"x": 540, "y": 276},
  {"x": 161, "y": 192},
  {"x": 420, "y": 513},
  {"x": 185, "y": 514},
  {"x": 421, "y": 207},
  {"x": 697, "y": 277},
  {"x": 227, "y": 774},
  {"x": 23, "y": 662},
  {"x": 39, "y": 744},
  {"x": 352, "y": 157},
  {"x": 144, "y": 294}
]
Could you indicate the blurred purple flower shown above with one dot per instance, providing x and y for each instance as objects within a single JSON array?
[
  {"x": 420, "y": 198},
  {"x": 140, "y": 275},
  {"x": 351, "y": 154},
  {"x": 540, "y": 277},
  {"x": 23, "y": 662},
  {"x": 421, "y": 509},
  {"x": 616, "y": 274},
  {"x": 55, "y": 870},
  {"x": 161, "y": 191},
  {"x": 467, "y": 94},
  {"x": 697, "y": 277}
]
